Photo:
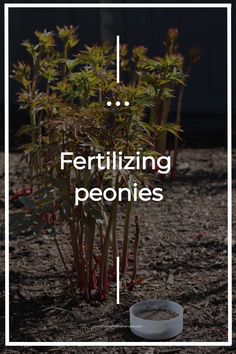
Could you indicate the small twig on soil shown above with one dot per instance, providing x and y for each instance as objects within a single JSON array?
[
  {"x": 171, "y": 351},
  {"x": 52, "y": 309},
  {"x": 62, "y": 258},
  {"x": 136, "y": 246},
  {"x": 201, "y": 308}
]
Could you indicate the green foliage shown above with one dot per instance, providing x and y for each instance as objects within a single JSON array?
[{"x": 65, "y": 94}]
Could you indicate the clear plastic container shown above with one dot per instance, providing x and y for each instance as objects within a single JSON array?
[{"x": 154, "y": 329}]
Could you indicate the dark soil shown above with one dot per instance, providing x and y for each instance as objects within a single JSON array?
[
  {"x": 157, "y": 315},
  {"x": 182, "y": 257}
]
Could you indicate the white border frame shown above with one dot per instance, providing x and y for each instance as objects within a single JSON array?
[{"x": 229, "y": 171}]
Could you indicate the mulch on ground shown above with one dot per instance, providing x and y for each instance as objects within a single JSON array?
[{"x": 182, "y": 257}]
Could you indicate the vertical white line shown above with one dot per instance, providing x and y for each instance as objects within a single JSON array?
[
  {"x": 229, "y": 172},
  {"x": 118, "y": 280},
  {"x": 118, "y": 59},
  {"x": 6, "y": 132}
]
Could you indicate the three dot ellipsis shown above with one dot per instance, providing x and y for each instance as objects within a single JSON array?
[{"x": 117, "y": 103}]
